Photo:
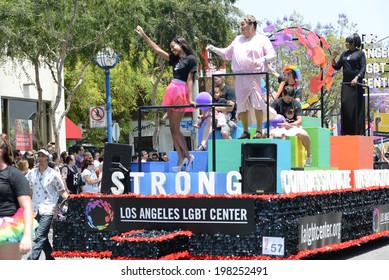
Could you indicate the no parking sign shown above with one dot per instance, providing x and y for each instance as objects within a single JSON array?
[{"x": 97, "y": 117}]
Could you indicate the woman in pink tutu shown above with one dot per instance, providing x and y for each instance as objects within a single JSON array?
[
  {"x": 16, "y": 216},
  {"x": 249, "y": 53},
  {"x": 179, "y": 91}
]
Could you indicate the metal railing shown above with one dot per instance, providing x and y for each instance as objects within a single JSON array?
[
  {"x": 212, "y": 105},
  {"x": 150, "y": 108}
]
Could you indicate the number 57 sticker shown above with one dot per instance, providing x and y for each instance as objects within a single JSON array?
[{"x": 273, "y": 246}]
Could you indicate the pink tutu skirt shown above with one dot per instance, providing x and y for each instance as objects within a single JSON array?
[
  {"x": 11, "y": 228},
  {"x": 177, "y": 93}
]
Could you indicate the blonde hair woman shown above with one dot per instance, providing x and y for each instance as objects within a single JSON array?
[{"x": 22, "y": 165}]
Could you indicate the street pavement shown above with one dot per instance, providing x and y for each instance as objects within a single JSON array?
[{"x": 373, "y": 250}]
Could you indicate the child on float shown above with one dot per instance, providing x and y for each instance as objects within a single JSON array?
[
  {"x": 220, "y": 117},
  {"x": 281, "y": 132}
]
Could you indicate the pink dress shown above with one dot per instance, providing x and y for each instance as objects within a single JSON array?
[
  {"x": 177, "y": 93},
  {"x": 242, "y": 53}
]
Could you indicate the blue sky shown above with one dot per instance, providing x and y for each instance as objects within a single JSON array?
[{"x": 371, "y": 16}]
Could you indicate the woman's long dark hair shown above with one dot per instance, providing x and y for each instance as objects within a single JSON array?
[
  {"x": 7, "y": 150},
  {"x": 184, "y": 45},
  {"x": 86, "y": 163}
]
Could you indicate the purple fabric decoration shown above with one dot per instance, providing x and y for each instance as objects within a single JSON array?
[
  {"x": 269, "y": 28},
  {"x": 291, "y": 45}
]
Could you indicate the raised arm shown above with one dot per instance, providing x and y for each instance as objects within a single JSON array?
[{"x": 151, "y": 43}]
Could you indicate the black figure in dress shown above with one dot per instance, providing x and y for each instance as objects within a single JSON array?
[{"x": 352, "y": 109}]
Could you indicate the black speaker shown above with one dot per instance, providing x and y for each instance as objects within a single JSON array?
[
  {"x": 117, "y": 157},
  {"x": 259, "y": 168}
]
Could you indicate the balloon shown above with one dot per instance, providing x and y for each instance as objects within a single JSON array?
[
  {"x": 276, "y": 120},
  {"x": 204, "y": 98}
]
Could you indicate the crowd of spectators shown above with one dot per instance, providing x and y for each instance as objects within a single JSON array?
[
  {"x": 67, "y": 163},
  {"x": 150, "y": 155}
]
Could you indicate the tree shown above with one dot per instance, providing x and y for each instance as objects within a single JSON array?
[
  {"x": 129, "y": 87},
  {"x": 47, "y": 32},
  {"x": 166, "y": 19},
  {"x": 141, "y": 77},
  {"x": 21, "y": 43},
  {"x": 333, "y": 34}
]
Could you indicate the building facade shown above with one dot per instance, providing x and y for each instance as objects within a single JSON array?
[{"x": 19, "y": 104}]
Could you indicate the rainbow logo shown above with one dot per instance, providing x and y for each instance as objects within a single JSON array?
[{"x": 99, "y": 214}]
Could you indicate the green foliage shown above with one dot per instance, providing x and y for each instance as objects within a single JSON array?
[
  {"x": 69, "y": 34},
  {"x": 129, "y": 88},
  {"x": 53, "y": 33}
]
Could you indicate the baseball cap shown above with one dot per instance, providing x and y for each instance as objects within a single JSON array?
[{"x": 44, "y": 151}]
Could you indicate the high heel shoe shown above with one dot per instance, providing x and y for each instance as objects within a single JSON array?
[
  {"x": 190, "y": 163},
  {"x": 182, "y": 167}
]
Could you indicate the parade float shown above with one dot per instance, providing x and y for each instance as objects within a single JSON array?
[
  {"x": 243, "y": 199},
  {"x": 256, "y": 205}
]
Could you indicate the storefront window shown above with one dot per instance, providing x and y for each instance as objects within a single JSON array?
[{"x": 17, "y": 118}]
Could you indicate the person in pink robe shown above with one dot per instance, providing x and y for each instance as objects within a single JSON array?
[{"x": 249, "y": 52}]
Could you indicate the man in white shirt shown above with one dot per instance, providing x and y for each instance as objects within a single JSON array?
[{"x": 46, "y": 185}]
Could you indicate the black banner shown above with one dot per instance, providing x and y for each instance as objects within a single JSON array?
[
  {"x": 199, "y": 215},
  {"x": 381, "y": 218},
  {"x": 320, "y": 230}
]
